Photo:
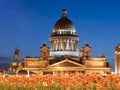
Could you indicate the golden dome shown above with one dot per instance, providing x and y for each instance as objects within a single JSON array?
[{"x": 64, "y": 23}]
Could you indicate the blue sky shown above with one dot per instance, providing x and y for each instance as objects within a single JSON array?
[{"x": 27, "y": 24}]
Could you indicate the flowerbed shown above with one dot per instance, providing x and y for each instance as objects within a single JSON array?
[{"x": 59, "y": 82}]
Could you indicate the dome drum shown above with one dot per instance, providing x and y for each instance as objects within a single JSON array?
[
  {"x": 63, "y": 38},
  {"x": 63, "y": 53}
]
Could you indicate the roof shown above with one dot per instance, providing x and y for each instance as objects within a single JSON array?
[
  {"x": 64, "y": 22},
  {"x": 117, "y": 48},
  {"x": 58, "y": 59}
]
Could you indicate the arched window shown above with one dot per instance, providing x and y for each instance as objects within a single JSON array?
[
  {"x": 62, "y": 32},
  {"x": 86, "y": 53},
  {"x": 71, "y": 32}
]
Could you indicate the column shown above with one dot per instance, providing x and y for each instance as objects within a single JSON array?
[
  {"x": 67, "y": 44},
  {"x": 51, "y": 46},
  {"x": 72, "y": 45},
  {"x": 115, "y": 64},
  {"x": 57, "y": 43},
  {"x": 64, "y": 45},
  {"x": 55, "y": 46},
  {"x": 61, "y": 44},
  {"x": 75, "y": 46}
]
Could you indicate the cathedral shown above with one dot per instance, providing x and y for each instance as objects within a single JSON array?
[{"x": 63, "y": 56}]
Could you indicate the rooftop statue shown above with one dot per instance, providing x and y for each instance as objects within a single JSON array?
[{"x": 16, "y": 53}]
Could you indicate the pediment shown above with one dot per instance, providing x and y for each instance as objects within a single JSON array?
[{"x": 66, "y": 63}]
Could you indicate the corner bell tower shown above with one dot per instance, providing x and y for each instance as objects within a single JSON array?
[
  {"x": 117, "y": 59},
  {"x": 85, "y": 52},
  {"x": 44, "y": 51}
]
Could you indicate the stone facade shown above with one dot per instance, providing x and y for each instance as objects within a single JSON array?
[{"x": 64, "y": 64}]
